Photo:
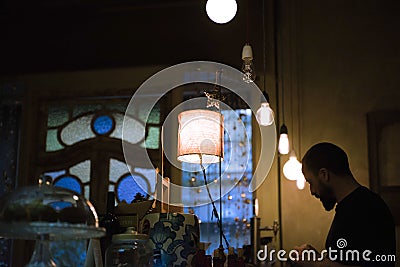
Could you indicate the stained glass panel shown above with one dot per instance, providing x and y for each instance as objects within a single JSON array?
[
  {"x": 119, "y": 120},
  {"x": 150, "y": 176},
  {"x": 81, "y": 170},
  {"x": 57, "y": 116},
  {"x": 103, "y": 125},
  {"x": 69, "y": 182},
  {"x": 117, "y": 169},
  {"x": 153, "y": 116},
  {"x": 77, "y": 130},
  {"x": 128, "y": 187},
  {"x": 152, "y": 140},
  {"x": 134, "y": 130},
  {"x": 52, "y": 143}
]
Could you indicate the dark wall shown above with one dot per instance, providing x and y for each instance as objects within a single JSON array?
[{"x": 75, "y": 35}]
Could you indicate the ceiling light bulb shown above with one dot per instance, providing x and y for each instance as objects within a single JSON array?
[
  {"x": 221, "y": 11},
  {"x": 249, "y": 74},
  {"x": 292, "y": 168},
  {"x": 256, "y": 208},
  {"x": 301, "y": 182},
  {"x": 283, "y": 145},
  {"x": 265, "y": 115}
]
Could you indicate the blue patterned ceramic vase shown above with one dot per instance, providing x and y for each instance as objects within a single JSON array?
[{"x": 175, "y": 238}]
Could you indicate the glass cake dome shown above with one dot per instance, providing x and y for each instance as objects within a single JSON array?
[{"x": 45, "y": 210}]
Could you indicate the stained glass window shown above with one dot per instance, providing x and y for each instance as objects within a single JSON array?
[
  {"x": 70, "y": 124},
  {"x": 73, "y": 125}
]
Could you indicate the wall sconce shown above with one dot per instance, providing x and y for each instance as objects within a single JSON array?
[{"x": 221, "y": 11}]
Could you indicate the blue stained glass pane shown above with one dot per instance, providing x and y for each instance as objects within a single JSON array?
[
  {"x": 70, "y": 183},
  {"x": 128, "y": 188},
  {"x": 103, "y": 124}
]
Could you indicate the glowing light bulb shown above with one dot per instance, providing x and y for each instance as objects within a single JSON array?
[
  {"x": 249, "y": 74},
  {"x": 265, "y": 115},
  {"x": 221, "y": 11},
  {"x": 292, "y": 168},
  {"x": 283, "y": 145},
  {"x": 256, "y": 209},
  {"x": 301, "y": 182}
]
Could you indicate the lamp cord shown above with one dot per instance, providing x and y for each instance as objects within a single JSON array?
[
  {"x": 215, "y": 211},
  {"x": 264, "y": 53}
]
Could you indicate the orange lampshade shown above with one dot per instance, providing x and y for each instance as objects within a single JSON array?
[{"x": 200, "y": 136}]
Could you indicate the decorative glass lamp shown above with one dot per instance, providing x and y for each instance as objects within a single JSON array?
[
  {"x": 46, "y": 213},
  {"x": 200, "y": 136}
]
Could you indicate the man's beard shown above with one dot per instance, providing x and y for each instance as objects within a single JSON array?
[
  {"x": 328, "y": 203},
  {"x": 327, "y": 198}
]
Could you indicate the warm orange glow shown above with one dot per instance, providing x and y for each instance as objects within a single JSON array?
[{"x": 200, "y": 136}]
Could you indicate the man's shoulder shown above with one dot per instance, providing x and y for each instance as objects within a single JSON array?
[
  {"x": 363, "y": 198},
  {"x": 364, "y": 208}
]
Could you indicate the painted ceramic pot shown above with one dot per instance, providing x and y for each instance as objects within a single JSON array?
[{"x": 174, "y": 236}]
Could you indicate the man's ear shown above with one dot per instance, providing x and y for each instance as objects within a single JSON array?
[{"x": 323, "y": 175}]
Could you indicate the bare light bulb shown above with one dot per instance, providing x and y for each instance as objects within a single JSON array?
[
  {"x": 249, "y": 74},
  {"x": 283, "y": 145},
  {"x": 256, "y": 207},
  {"x": 292, "y": 168},
  {"x": 221, "y": 11},
  {"x": 301, "y": 182},
  {"x": 265, "y": 115}
]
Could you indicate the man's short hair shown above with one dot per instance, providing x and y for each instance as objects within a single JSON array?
[{"x": 329, "y": 156}]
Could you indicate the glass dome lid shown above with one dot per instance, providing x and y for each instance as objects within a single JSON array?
[{"x": 60, "y": 214}]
